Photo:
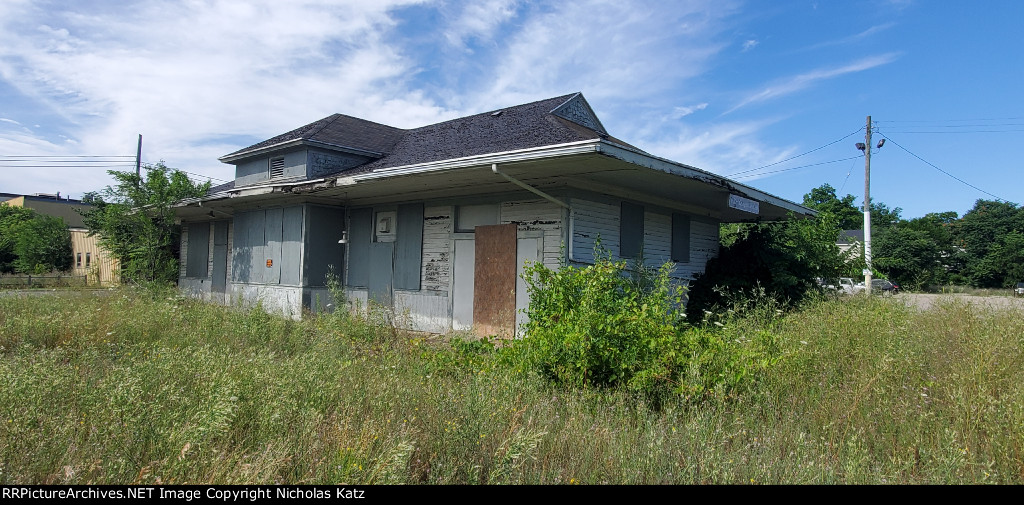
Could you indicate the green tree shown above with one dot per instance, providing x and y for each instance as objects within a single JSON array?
[
  {"x": 135, "y": 221},
  {"x": 883, "y": 218},
  {"x": 910, "y": 257},
  {"x": 985, "y": 234},
  {"x": 824, "y": 200},
  {"x": 32, "y": 243},
  {"x": 784, "y": 258}
]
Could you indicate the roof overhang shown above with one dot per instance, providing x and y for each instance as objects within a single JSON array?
[
  {"x": 595, "y": 166},
  {"x": 292, "y": 144}
]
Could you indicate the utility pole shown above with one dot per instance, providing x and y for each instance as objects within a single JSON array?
[
  {"x": 867, "y": 205},
  {"x": 138, "y": 159}
]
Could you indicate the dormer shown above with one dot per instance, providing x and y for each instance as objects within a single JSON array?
[{"x": 331, "y": 145}]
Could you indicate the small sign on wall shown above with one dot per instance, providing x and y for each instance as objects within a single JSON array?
[
  {"x": 745, "y": 204},
  {"x": 270, "y": 263}
]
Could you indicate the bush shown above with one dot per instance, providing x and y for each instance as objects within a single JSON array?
[{"x": 605, "y": 325}]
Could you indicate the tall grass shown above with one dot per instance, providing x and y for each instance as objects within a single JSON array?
[{"x": 148, "y": 387}]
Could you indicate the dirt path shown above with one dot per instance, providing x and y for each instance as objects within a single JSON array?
[{"x": 925, "y": 301}]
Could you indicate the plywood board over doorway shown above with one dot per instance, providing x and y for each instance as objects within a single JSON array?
[{"x": 494, "y": 293}]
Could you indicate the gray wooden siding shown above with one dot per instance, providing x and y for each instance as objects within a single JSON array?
[
  {"x": 590, "y": 220},
  {"x": 704, "y": 245},
  {"x": 436, "y": 272},
  {"x": 258, "y": 170},
  {"x": 322, "y": 162},
  {"x": 537, "y": 215}
]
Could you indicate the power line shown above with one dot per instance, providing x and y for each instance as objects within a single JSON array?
[
  {"x": 63, "y": 166},
  {"x": 949, "y": 120},
  {"x": 733, "y": 175},
  {"x": 964, "y": 131},
  {"x": 31, "y": 160},
  {"x": 795, "y": 168},
  {"x": 847, "y": 179},
  {"x": 941, "y": 170},
  {"x": 62, "y": 156},
  {"x": 150, "y": 165}
]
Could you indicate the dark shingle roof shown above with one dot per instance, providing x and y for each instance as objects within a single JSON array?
[
  {"x": 850, "y": 236},
  {"x": 518, "y": 127},
  {"x": 339, "y": 130}
]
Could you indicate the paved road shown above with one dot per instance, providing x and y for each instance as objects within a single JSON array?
[{"x": 925, "y": 301}]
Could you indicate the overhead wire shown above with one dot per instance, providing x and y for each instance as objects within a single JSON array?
[
  {"x": 939, "y": 169},
  {"x": 794, "y": 168},
  {"x": 733, "y": 175}
]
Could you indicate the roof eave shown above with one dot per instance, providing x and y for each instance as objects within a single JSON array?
[
  {"x": 641, "y": 158},
  {"x": 234, "y": 158}
]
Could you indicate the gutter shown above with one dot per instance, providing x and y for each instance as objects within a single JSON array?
[{"x": 568, "y": 149}]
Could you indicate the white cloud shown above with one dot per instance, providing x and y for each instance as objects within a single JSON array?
[
  {"x": 681, "y": 112},
  {"x": 723, "y": 148},
  {"x": 9, "y": 121},
  {"x": 629, "y": 51},
  {"x": 857, "y": 37},
  {"x": 749, "y": 44},
  {"x": 184, "y": 73},
  {"x": 802, "y": 81},
  {"x": 479, "y": 20}
]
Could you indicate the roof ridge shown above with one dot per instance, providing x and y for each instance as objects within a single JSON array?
[
  {"x": 496, "y": 110},
  {"x": 309, "y": 135}
]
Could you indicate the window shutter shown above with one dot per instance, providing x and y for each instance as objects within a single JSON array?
[
  {"x": 680, "y": 238},
  {"x": 631, "y": 230}
]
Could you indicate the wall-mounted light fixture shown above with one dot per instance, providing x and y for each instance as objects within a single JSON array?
[{"x": 344, "y": 237}]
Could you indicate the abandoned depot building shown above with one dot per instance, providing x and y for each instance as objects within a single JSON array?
[{"x": 436, "y": 222}]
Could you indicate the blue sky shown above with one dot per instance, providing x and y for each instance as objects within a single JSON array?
[{"x": 737, "y": 88}]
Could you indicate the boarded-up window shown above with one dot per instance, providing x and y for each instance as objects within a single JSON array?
[
  {"x": 198, "y": 255},
  {"x": 680, "y": 238},
  {"x": 266, "y": 246},
  {"x": 359, "y": 237},
  {"x": 468, "y": 217},
  {"x": 631, "y": 230},
  {"x": 409, "y": 247}
]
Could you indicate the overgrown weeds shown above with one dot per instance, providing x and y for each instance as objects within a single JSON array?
[{"x": 148, "y": 387}]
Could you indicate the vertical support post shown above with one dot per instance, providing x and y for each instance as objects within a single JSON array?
[{"x": 867, "y": 206}]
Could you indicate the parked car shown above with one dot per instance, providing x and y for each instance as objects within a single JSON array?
[
  {"x": 848, "y": 286},
  {"x": 1019, "y": 290},
  {"x": 884, "y": 286}
]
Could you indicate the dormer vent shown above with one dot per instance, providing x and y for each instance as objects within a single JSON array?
[{"x": 277, "y": 167}]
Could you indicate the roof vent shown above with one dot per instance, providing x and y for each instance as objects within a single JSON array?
[
  {"x": 277, "y": 167},
  {"x": 497, "y": 113}
]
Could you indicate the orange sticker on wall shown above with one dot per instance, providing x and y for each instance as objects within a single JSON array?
[{"x": 270, "y": 263}]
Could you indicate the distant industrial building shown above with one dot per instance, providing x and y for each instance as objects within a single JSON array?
[{"x": 89, "y": 258}]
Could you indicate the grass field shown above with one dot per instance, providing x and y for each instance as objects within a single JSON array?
[{"x": 144, "y": 387}]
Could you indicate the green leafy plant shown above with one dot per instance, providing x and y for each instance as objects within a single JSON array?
[{"x": 612, "y": 324}]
